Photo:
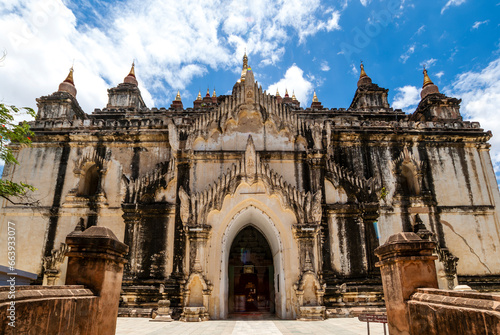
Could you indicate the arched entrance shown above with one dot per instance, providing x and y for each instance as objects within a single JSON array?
[
  {"x": 250, "y": 275},
  {"x": 250, "y": 216}
]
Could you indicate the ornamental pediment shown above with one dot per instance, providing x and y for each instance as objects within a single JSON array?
[{"x": 196, "y": 207}]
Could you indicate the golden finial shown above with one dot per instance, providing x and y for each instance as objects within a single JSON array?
[
  {"x": 363, "y": 73},
  {"x": 208, "y": 92},
  {"x": 277, "y": 93},
  {"x": 132, "y": 70},
  {"x": 69, "y": 78},
  {"x": 293, "y": 95},
  {"x": 286, "y": 93},
  {"x": 427, "y": 80},
  {"x": 178, "y": 96},
  {"x": 315, "y": 97},
  {"x": 199, "y": 95},
  {"x": 213, "y": 94},
  {"x": 245, "y": 68},
  {"x": 245, "y": 60}
]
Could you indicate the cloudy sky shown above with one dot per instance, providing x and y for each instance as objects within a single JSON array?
[{"x": 298, "y": 45}]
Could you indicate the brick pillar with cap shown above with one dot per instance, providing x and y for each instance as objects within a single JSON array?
[
  {"x": 406, "y": 263},
  {"x": 96, "y": 260}
]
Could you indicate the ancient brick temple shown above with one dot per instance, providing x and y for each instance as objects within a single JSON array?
[{"x": 249, "y": 203}]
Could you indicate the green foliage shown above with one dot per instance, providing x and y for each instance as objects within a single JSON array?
[
  {"x": 383, "y": 193},
  {"x": 11, "y": 133}
]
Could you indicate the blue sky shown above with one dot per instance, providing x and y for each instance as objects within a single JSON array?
[{"x": 299, "y": 45}]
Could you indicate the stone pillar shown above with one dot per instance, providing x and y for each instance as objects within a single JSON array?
[
  {"x": 310, "y": 288},
  {"x": 198, "y": 236},
  {"x": 132, "y": 221},
  {"x": 96, "y": 260},
  {"x": 197, "y": 289},
  {"x": 406, "y": 263},
  {"x": 307, "y": 240},
  {"x": 316, "y": 165}
]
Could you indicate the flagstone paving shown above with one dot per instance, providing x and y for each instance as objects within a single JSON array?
[{"x": 345, "y": 326}]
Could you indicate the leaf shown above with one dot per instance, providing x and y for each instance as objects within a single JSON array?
[{"x": 13, "y": 134}]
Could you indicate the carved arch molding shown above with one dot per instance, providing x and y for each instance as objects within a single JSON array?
[
  {"x": 89, "y": 170},
  {"x": 196, "y": 207}
]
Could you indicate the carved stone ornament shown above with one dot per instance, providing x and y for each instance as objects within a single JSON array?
[
  {"x": 316, "y": 210},
  {"x": 196, "y": 292},
  {"x": 317, "y": 135},
  {"x": 450, "y": 265},
  {"x": 136, "y": 190},
  {"x": 250, "y": 157},
  {"x": 184, "y": 210},
  {"x": 309, "y": 290},
  {"x": 164, "y": 312},
  {"x": 338, "y": 174},
  {"x": 51, "y": 264},
  {"x": 173, "y": 137},
  {"x": 407, "y": 157},
  {"x": 90, "y": 157}
]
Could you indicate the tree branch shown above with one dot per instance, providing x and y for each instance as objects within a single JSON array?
[{"x": 30, "y": 203}]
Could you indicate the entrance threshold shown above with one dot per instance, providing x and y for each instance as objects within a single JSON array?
[{"x": 252, "y": 316}]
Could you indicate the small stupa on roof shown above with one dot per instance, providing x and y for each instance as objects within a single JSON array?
[{"x": 68, "y": 84}]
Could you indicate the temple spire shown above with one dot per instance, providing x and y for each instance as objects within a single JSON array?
[
  {"x": 130, "y": 78},
  {"x": 315, "y": 104},
  {"x": 68, "y": 85},
  {"x": 428, "y": 87},
  {"x": 244, "y": 68},
  {"x": 69, "y": 78},
  {"x": 214, "y": 97},
  {"x": 132, "y": 70},
  {"x": 363, "y": 77},
  {"x": 427, "y": 80},
  {"x": 293, "y": 95},
  {"x": 277, "y": 93},
  {"x": 245, "y": 60},
  {"x": 208, "y": 92},
  {"x": 199, "y": 95},
  {"x": 362, "y": 73},
  {"x": 178, "y": 96}
]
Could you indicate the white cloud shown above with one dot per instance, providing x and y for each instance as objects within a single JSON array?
[
  {"x": 301, "y": 15},
  {"x": 478, "y": 23},
  {"x": 324, "y": 66},
  {"x": 43, "y": 38},
  {"x": 452, "y": 3},
  {"x": 294, "y": 81},
  {"x": 365, "y": 2},
  {"x": 420, "y": 30},
  {"x": 333, "y": 22},
  {"x": 480, "y": 94},
  {"x": 407, "y": 98},
  {"x": 354, "y": 69},
  {"x": 428, "y": 63},
  {"x": 404, "y": 57},
  {"x": 439, "y": 74}
]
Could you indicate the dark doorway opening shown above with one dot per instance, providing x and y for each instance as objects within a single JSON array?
[{"x": 251, "y": 276}]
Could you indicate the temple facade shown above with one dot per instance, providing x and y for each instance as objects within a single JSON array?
[{"x": 249, "y": 203}]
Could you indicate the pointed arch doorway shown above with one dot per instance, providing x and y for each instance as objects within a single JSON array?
[
  {"x": 251, "y": 275},
  {"x": 259, "y": 222}
]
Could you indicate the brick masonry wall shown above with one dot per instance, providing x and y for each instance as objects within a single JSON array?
[
  {"x": 48, "y": 310},
  {"x": 434, "y": 311}
]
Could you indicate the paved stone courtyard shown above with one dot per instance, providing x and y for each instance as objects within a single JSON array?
[{"x": 347, "y": 326}]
